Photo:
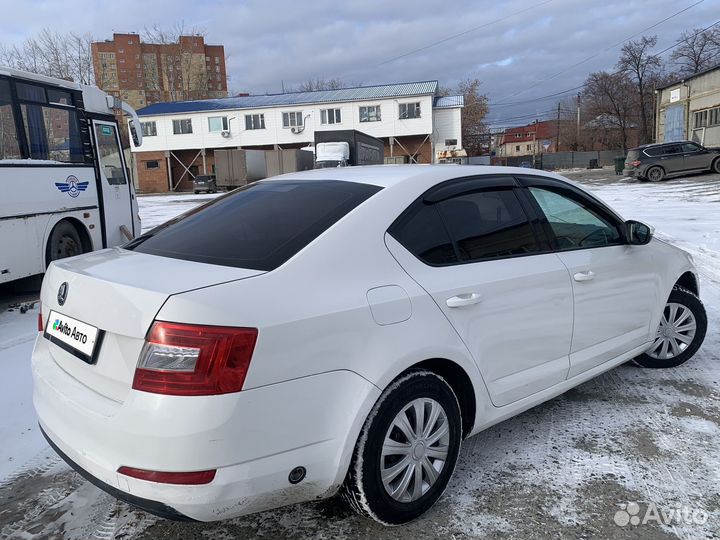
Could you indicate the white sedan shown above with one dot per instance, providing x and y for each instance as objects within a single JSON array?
[{"x": 343, "y": 330}]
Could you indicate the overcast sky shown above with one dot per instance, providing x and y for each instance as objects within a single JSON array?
[{"x": 519, "y": 45}]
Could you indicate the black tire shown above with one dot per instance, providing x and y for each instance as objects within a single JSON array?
[
  {"x": 363, "y": 488},
  {"x": 716, "y": 165},
  {"x": 655, "y": 174},
  {"x": 686, "y": 298},
  {"x": 196, "y": 192},
  {"x": 64, "y": 241}
]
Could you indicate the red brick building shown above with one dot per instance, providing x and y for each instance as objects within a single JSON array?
[
  {"x": 145, "y": 73},
  {"x": 529, "y": 140}
]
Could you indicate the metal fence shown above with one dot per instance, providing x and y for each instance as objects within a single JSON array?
[{"x": 561, "y": 160}]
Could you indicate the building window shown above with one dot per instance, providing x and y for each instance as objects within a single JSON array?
[
  {"x": 370, "y": 113},
  {"x": 529, "y": 147},
  {"x": 450, "y": 142},
  {"x": 292, "y": 119},
  {"x": 254, "y": 121},
  {"x": 149, "y": 129},
  {"x": 330, "y": 116},
  {"x": 517, "y": 148},
  {"x": 217, "y": 59},
  {"x": 153, "y": 164},
  {"x": 707, "y": 118},
  {"x": 181, "y": 127},
  {"x": 409, "y": 110},
  {"x": 217, "y": 123}
]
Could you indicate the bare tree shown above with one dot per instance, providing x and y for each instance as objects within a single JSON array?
[
  {"x": 637, "y": 61},
  {"x": 321, "y": 84},
  {"x": 65, "y": 56},
  {"x": 696, "y": 50},
  {"x": 475, "y": 134},
  {"x": 181, "y": 70},
  {"x": 608, "y": 99}
]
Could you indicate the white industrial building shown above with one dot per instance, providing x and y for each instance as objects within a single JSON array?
[{"x": 416, "y": 125}]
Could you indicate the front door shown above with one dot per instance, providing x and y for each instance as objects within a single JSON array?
[
  {"x": 480, "y": 259},
  {"x": 696, "y": 157},
  {"x": 117, "y": 195},
  {"x": 613, "y": 283}
]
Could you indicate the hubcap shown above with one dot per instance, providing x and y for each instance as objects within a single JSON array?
[
  {"x": 415, "y": 450},
  {"x": 675, "y": 333},
  {"x": 655, "y": 174}
]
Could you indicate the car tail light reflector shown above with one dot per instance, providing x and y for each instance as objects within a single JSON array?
[
  {"x": 635, "y": 163},
  {"x": 41, "y": 325},
  {"x": 194, "y": 478},
  {"x": 191, "y": 360}
]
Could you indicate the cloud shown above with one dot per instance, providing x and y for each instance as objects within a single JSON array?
[{"x": 285, "y": 42}]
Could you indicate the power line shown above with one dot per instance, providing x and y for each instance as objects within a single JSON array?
[
  {"x": 575, "y": 88},
  {"x": 606, "y": 49},
  {"x": 485, "y": 25}
]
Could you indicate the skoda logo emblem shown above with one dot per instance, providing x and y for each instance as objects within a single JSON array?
[{"x": 62, "y": 293}]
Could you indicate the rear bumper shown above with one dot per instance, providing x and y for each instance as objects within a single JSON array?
[
  {"x": 154, "y": 507},
  {"x": 253, "y": 439},
  {"x": 630, "y": 172}
]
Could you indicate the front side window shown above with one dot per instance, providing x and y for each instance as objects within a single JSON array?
[
  {"x": 409, "y": 110},
  {"x": 9, "y": 146},
  {"x": 181, "y": 127},
  {"x": 149, "y": 129},
  {"x": 254, "y": 121},
  {"x": 259, "y": 226},
  {"x": 52, "y": 133},
  {"x": 370, "y": 113},
  {"x": 292, "y": 119},
  {"x": 574, "y": 223},
  {"x": 330, "y": 116},
  {"x": 690, "y": 147},
  {"x": 217, "y": 123}
]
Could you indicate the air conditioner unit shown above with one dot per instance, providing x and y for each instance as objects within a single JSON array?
[{"x": 225, "y": 134}]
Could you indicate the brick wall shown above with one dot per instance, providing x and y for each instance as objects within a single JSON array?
[{"x": 153, "y": 180}]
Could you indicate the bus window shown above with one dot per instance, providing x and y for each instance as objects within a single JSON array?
[
  {"x": 109, "y": 154},
  {"x": 52, "y": 133},
  {"x": 9, "y": 146}
]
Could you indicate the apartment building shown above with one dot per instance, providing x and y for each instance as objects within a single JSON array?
[{"x": 416, "y": 125}]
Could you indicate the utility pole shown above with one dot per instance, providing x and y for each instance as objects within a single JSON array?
[
  {"x": 557, "y": 131},
  {"x": 577, "y": 130}
]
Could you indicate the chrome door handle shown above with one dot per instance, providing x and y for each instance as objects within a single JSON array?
[
  {"x": 584, "y": 276},
  {"x": 461, "y": 300}
]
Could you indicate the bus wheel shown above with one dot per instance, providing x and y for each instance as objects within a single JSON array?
[{"x": 64, "y": 242}]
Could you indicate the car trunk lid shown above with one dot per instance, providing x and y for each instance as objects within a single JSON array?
[{"x": 119, "y": 292}]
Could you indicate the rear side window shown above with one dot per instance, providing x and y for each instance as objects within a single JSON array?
[
  {"x": 467, "y": 228},
  {"x": 259, "y": 226},
  {"x": 488, "y": 225}
]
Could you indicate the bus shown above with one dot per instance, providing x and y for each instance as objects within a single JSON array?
[{"x": 64, "y": 183}]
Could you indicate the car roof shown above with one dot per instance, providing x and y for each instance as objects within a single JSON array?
[
  {"x": 654, "y": 145},
  {"x": 392, "y": 175}
]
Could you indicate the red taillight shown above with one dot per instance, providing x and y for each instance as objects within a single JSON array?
[
  {"x": 635, "y": 163},
  {"x": 40, "y": 320},
  {"x": 190, "y": 360},
  {"x": 186, "y": 478}
]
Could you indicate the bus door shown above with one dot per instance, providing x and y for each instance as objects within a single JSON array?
[{"x": 117, "y": 204}]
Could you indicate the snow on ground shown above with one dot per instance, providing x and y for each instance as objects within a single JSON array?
[{"x": 561, "y": 470}]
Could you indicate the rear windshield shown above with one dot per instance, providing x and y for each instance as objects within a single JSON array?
[
  {"x": 259, "y": 226},
  {"x": 632, "y": 155}
]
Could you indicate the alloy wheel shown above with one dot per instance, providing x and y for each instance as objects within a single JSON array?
[
  {"x": 676, "y": 332},
  {"x": 415, "y": 450}
]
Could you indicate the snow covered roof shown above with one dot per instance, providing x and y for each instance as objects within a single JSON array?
[{"x": 293, "y": 98}]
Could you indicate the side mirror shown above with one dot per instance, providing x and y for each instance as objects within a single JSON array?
[{"x": 637, "y": 233}]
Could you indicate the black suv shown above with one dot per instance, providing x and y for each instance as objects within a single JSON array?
[{"x": 655, "y": 162}]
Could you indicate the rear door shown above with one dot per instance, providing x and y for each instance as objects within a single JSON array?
[
  {"x": 510, "y": 300},
  {"x": 614, "y": 284},
  {"x": 117, "y": 196}
]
